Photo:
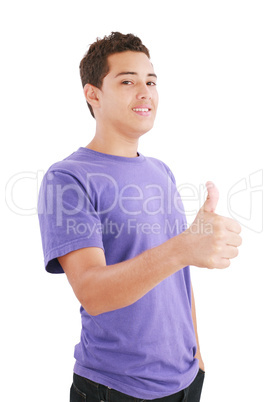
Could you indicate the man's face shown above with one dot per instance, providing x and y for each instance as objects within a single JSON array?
[{"x": 128, "y": 98}]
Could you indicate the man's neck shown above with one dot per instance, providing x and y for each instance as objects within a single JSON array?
[{"x": 114, "y": 145}]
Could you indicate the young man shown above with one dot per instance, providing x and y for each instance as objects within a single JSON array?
[{"x": 113, "y": 221}]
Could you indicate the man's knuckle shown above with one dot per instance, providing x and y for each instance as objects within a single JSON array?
[
  {"x": 212, "y": 261},
  {"x": 236, "y": 252},
  {"x": 217, "y": 244},
  {"x": 220, "y": 235}
]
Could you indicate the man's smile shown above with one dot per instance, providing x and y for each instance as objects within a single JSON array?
[{"x": 143, "y": 110}]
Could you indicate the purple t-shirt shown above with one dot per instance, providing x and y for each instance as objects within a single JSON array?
[{"x": 124, "y": 206}]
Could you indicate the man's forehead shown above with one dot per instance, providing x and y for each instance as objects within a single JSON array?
[{"x": 129, "y": 61}]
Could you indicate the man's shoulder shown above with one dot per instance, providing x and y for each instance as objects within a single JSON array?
[
  {"x": 72, "y": 164},
  {"x": 159, "y": 164}
]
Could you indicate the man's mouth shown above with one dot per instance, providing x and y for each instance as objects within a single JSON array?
[{"x": 141, "y": 109}]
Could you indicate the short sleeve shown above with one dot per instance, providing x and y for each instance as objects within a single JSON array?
[
  {"x": 67, "y": 218},
  {"x": 169, "y": 172}
]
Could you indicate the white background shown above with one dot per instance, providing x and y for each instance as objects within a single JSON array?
[{"x": 211, "y": 60}]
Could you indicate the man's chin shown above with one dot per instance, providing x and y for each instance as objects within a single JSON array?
[{"x": 143, "y": 130}]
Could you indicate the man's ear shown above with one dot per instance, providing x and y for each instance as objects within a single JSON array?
[{"x": 91, "y": 94}]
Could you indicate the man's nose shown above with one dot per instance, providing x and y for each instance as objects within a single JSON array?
[{"x": 144, "y": 92}]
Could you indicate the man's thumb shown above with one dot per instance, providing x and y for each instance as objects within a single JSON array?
[{"x": 212, "y": 197}]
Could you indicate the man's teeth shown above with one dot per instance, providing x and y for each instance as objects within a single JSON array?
[{"x": 141, "y": 110}]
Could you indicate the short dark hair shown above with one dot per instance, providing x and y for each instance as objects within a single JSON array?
[{"x": 94, "y": 65}]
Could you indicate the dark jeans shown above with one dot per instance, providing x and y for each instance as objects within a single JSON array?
[{"x": 84, "y": 390}]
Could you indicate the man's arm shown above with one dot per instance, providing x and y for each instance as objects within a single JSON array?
[
  {"x": 211, "y": 241},
  {"x": 101, "y": 288},
  {"x": 198, "y": 352}
]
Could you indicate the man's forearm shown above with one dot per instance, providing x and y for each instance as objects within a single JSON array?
[
  {"x": 211, "y": 241},
  {"x": 126, "y": 282}
]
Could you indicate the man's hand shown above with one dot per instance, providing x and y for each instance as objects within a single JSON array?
[{"x": 214, "y": 239}]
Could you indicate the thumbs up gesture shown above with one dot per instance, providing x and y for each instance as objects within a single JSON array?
[
  {"x": 212, "y": 197},
  {"x": 212, "y": 239}
]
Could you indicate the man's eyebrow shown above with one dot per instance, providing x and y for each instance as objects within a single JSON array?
[{"x": 133, "y": 73}]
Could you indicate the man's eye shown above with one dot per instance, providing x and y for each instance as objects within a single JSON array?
[
  {"x": 126, "y": 82},
  {"x": 151, "y": 83}
]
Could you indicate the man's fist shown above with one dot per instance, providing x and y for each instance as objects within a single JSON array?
[{"x": 213, "y": 239}]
